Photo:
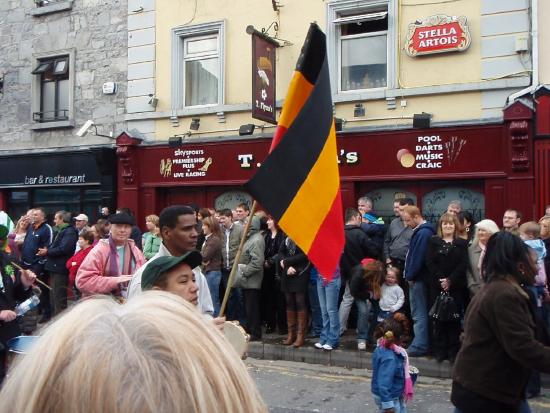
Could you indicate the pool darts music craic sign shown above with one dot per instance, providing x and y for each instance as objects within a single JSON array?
[{"x": 437, "y": 34}]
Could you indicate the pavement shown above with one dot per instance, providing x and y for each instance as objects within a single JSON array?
[{"x": 346, "y": 355}]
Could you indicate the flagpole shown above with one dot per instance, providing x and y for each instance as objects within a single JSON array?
[{"x": 231, "y": 279}]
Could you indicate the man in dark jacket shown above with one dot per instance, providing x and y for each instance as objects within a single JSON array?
[
  {"x": 358, "y": 246},
  {"x": 57, "y": 254},
  {"x": 39, "y": 235},
  {"x": 415, "y": 269}
]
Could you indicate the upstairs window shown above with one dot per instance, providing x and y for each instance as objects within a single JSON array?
[
  {"x": 201, "y": 70},
  {"x": 363, "y": 49},
  {"x": 54, "y": 89}
]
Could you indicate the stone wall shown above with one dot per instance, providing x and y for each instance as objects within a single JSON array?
[{"x": 97, "y": 32}]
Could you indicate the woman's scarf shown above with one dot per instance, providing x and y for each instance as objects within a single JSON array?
[
  {"x": 408, "y": 391},
  {"x": 129, "y": 259}
]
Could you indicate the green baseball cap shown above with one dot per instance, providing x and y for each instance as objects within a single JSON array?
[{"x": 160, "y": 265}]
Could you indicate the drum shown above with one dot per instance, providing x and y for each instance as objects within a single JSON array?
[
  {"x": 21, "y": 344},
  {"x": 237, "y": 337}
]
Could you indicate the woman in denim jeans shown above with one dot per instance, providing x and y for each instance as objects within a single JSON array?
[
  {"x": 212, "y": 259},
  {"x": 365, "y": 283},
  {"x": 328, "y": 292}
]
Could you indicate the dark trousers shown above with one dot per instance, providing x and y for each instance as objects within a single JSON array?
[
  {"x": 3, "y": 362},
  {"x": 467, "y": 401},
  {"x": 272, "y": 302},
  {"x": 235, "y": 306},
  {"x": 446, "y": 339},
  {"x": 252, "y": 310},
  {"x": 58, "y": 294}
]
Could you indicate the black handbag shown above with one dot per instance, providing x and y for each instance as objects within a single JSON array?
[{"x": 444, "y": 308}]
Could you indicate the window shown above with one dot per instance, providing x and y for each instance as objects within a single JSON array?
[
  {"x": 197, "y": 65},
  {"x": 361, "y": 45},
  {"x": 52, "y": 90}
]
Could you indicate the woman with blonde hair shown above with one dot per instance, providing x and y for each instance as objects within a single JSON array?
[
  {"x": 151, "y": 243},
  {"x": 155, "y": 353},
  {"x": 476, "y": 252}
]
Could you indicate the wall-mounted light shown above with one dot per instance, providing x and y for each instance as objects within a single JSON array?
[
  {"x": 422, "y": 120},
  {"x": 195, "y": 124},
  {"x": 153, "y": 101},
  {"x": 83, "y": 131},
  {"x": 247, "y": 129},
  {"x": 358, "y": 110}
]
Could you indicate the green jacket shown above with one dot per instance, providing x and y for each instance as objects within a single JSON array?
[
  {"x": 253, "y": 257},
  {"x": 151, "y": 247}
]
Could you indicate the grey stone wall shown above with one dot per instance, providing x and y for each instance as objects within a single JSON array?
[{"x": 97, "y": 31}]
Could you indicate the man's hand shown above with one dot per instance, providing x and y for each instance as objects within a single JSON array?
[
  {"x": 219, "y": 322},
  {"x": 7, "y": 315},
  {"x": 42, "y": 252},
  {"x": 445, "y": 283},
  {"x": 123, "y": 278},
  {"x": 27, "y": 278},
  {"x": 291, "y": 271}
]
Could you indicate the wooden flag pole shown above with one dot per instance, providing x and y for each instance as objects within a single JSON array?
[
  {"x": 36, "y": 279},
  {"x": 233, "y": 272}
]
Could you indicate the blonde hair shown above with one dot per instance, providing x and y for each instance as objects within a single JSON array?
[
  {"x": 544, "y": 223},
  {"x": 153, "y": 219},
  {"x": 487, "y": 225},
  {"x": 155, "y": 353}
]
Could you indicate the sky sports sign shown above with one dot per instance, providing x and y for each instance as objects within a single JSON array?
[{"x": 437, "y": 34}]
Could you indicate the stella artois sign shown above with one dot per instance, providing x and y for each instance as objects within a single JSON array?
[{"x": 437, "y": 34}]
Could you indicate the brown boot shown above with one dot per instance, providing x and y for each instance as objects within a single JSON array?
[
  {"x": 291, "y": 322},
  {"x": 302, "y": 327}
]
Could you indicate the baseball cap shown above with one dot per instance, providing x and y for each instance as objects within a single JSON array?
[
  {"x": 160, "y": 265},
  {"x": 81, "y": 217}
]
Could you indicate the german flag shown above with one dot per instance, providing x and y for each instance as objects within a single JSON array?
[{"x": 299, "y": 183}]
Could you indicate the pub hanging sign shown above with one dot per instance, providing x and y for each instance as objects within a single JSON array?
[
  {"x": 263, "y": 77},
  {"x": 437, "y": 34}
]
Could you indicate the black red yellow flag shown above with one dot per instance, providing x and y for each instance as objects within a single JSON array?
[{"x": 298, "y": 183}]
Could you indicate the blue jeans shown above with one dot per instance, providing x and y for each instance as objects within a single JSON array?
[
  {"x": 398, "y": 404},
  {"x": 364, "y": 308},
  {"x": 316, "y": 317},
  {"x": 328, "y": 301},
  {"x": 213, "y": 279},
  {"x": 419, "y": 312}
]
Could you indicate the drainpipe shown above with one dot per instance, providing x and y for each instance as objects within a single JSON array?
[{"x": 534, "y": 54}]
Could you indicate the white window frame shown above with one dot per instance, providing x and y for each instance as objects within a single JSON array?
[
  {"x": 179, "y": 36},
  {"x": 361, "y": 7},
  {"x": 36, "y": 90}
]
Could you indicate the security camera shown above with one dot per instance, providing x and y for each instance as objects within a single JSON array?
[{"x": 85, "y": 128}]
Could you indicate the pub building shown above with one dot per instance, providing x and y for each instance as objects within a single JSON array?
[
  {"x": 76, "y": 181},
  {"x": 487, "y": 167}
]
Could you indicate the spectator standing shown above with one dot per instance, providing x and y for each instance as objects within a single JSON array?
[
  {"x": 358, "y": 246},
  {"x": 152, "y": 241},
  {"x": 476, "y": 252},
  {"x": 17, "y": 236},
  {"x": 273, "y": 301},
  {"x": 544, "y": 223},
  {"x": 109, "y": 266},
  {"x": 39, "y": 235},
  {"x": 251, "y": 270},
  {"x": 151, "y": 221},
  {"x": 454, "y": 207},
  {"x": 447, "y": 260},
  {"x": 105, "y": 213},
  {"x": 416, "y": 273},
  {"x": 295, "y": 268},
  {"x": 212, "y": 259},
  {"x": 136, "y": 232},
  {"x": 398, "y": 236},
  {"x": 241, "y": 213},
  {"x": 86, "y": 243},
  {"x": 511, "y": 220},
  {"x": 232, "y": 234},
  {"x": 467, "y": 225},
  {"x": 57, "y": 254}
]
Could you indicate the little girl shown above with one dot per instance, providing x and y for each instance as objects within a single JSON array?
[
  {"x": 391, "y": 382},
  {"x": 392, "y": 296}
]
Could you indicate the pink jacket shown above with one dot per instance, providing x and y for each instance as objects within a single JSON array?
[{"x": 93, "y": 275}]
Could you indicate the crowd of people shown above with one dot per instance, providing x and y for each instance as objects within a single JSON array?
[{"x": 406, "y": 271}]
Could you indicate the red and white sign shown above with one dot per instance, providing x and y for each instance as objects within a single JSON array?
[{"x": 437, "y": 34}]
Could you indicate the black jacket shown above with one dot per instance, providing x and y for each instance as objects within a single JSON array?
[
  {"x": 12, "y": 293},
  {"x": 62, "y": 248},
  {"x": 358, "y": 246}
]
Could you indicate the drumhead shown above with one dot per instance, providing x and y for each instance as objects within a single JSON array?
[
  {"x": 21, "y": 344},
  {"x": 237, "y": 337}
]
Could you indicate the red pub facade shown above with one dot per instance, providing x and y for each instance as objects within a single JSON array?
[{"x": 487, "y": 167}]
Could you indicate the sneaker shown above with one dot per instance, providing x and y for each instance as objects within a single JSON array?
[
  {"x": 361, "y": 345},
  {"x": 327, "y": 347},
  {"x": 318, "y": 345}
]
